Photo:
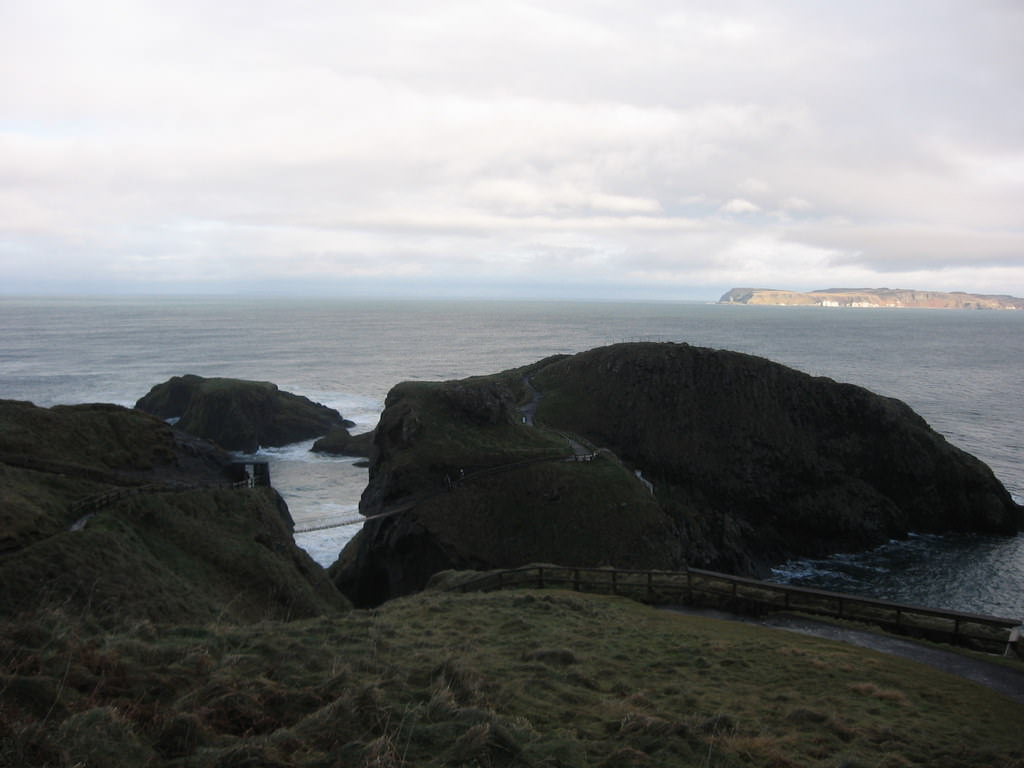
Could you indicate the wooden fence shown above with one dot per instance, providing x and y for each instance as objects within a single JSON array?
[{"x": 711, "y": 589}]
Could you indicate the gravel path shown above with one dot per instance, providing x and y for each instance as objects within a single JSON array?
[{"x": 998, "y": 677}]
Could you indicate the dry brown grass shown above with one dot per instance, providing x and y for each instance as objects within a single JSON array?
[{"x": 504, "y": 679}]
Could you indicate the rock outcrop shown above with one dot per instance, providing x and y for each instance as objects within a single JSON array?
[
  {"x": 112, "y": 512},
  {"x": 759, "y": 463},
  {"x": 458, "y": 481},
  {"x": 751, "y": 463},
  {"x": 239, "y": 415},
  {"x": 340, "y": 442}
]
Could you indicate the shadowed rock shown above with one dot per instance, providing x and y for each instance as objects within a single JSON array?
[
  {"x": 340, "y": 442},
  {"x": 239, "y": 415},
  {"x": 113, "y": 514},
  {"x": 759, "y": 463},
  {"x": 751, "y": 463}
]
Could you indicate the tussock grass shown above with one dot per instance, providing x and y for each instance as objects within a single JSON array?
[
  {"x": 546, "y": 678},
  {"x": 184, "y": 557}
]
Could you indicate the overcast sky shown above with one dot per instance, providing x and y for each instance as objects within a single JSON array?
[{"x": 576, "y": 148}]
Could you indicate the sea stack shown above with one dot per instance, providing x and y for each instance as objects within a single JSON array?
[
  {"x": 239, "y": 415},
  {"x": 703, "y": 457}
]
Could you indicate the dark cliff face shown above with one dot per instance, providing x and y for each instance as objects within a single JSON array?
[
  {"x": 458, "y": 481},
  {"x": 758, "y": 462},
  {"x": 239, "y": 415},
  {"x": 751, "y": 463}
]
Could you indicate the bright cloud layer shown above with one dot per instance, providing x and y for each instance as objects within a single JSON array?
[{"x": 572, "y": 148}]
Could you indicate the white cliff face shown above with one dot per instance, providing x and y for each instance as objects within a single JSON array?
[{"x": 871, "y": 298}]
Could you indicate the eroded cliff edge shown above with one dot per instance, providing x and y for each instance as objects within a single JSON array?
[{"x": 746, "y": 462}]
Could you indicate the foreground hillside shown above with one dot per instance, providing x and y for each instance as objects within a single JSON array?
[
  {"x": 178, "y": 625},
  {"x": 505, "y": 679}
]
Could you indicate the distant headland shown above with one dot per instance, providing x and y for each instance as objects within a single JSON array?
[{"x": 870, "y": 297}]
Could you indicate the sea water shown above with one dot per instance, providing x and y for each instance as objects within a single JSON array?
[{"x": 960, "y": 370}]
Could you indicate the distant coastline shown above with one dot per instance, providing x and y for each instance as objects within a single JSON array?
[{"x": 870, "y": 298}]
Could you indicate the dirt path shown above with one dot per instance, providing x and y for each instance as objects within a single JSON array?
[
  {"x": 529, "y": 411},
  {"x": 998, "y": 677}
]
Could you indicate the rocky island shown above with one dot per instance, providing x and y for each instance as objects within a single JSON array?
[
  {"x": 650, "y": 456},
  {"x": 870, "y": 297},
  {"x": 240, "y": 415}
]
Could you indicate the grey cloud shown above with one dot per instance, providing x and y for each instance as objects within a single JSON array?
[
  {"x": 701, "y": 142},
  {"x": 899, "y": 249}
]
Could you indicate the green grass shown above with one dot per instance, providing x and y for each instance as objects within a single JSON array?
[
  {"x": 516, "y": 678},
  {"x": 34, "y": 504},
  {"x": 98, "y": 437},
  {"x": 469, "y": 444},
  {"x": 172, "y": 557},
  {"x": 523, "y": 514},
  {"x": 443, "y": 442}
]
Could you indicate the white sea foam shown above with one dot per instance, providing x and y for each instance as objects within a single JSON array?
[
  {"x": 298, "y": 452},
  {"x": 325, "y": 546}
]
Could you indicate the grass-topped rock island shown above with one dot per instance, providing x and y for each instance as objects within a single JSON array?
[
  {"x": 240, "y": 415},
  {"x": 695, "y": 456},
  {"x": 155, "y": 612}
]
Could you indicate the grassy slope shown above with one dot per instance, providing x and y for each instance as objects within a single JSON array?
[
  {"x": 97, "y": 437},
  {"x": 579, "y": 513},
  {"x": 519, "y": 501},
  {"x": 181, "y": 557},
  {"x": 170, "y": 556},
  {"x": 34, "y": 505},
  {"x": 515, "y": 678},
  {"x": 50, "y": 457},
  {"x": 445, "y": 440}
]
